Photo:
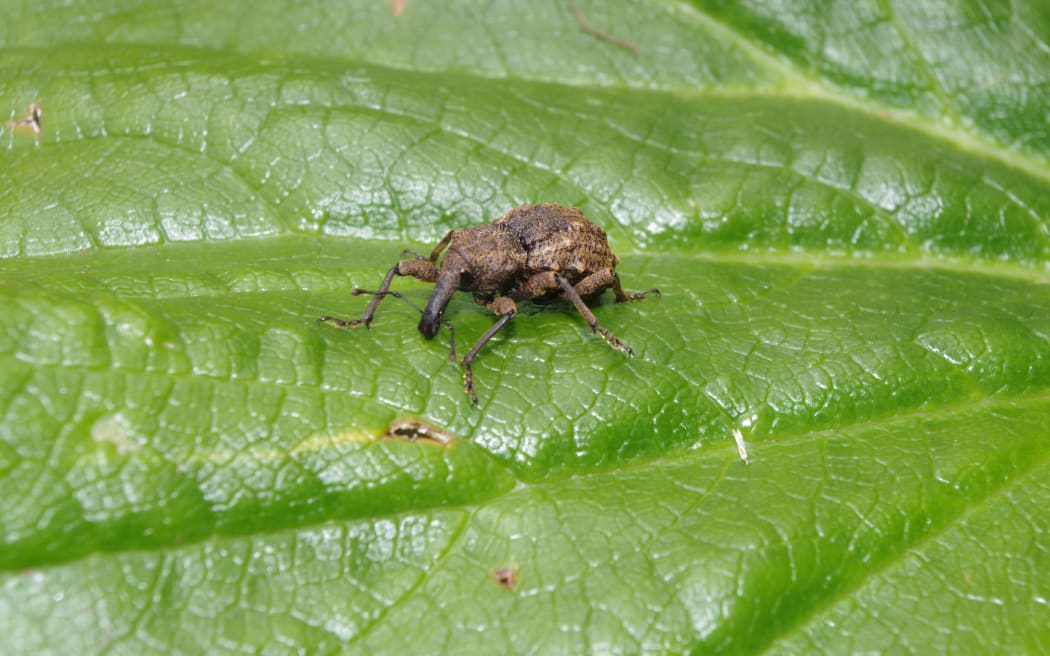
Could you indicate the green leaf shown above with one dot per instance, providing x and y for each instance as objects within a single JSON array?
[{"x": 845, "y": 205}]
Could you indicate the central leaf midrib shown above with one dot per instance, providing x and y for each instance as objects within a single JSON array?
[{"x": 48, "y": 270}]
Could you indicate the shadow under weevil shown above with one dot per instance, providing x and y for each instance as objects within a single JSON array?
[{"x": 540, "y": 253}]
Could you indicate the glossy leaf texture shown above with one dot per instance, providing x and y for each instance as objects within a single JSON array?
[{"x": 845, "y": 205}]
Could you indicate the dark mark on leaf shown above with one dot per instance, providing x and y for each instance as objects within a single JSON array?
[
  {"x": 416, "y": 431},
  {"x": 600, "y": 34},
  {"x": 507, "y": 577}
]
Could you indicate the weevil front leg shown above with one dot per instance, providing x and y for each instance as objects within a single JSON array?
[
  {"x": 420, "y": 269},
  {"x": 503, "y": 306},
  {"x": 434, "y": 254}
]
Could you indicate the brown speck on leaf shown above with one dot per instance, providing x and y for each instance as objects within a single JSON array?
[
  {"x": 418, "y": 431},
  {"x": 397, "y": 7},
  {"x": 28, "y": 122},
  {"x": 507, "y": 577},
  {"x": 597, "y": 33}
]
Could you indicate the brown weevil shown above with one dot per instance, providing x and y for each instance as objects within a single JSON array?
[{"x": 540, "y": 253}]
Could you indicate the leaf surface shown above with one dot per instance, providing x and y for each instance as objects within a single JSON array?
[{"x": 845, "y": 206}]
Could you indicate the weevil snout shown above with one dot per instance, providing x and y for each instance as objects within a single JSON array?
[
  {"x": 429, "y": 326},
  {"x": 434, "y": 312}
]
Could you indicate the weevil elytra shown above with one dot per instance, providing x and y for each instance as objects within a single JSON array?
[{"x": 540, "y": 253}]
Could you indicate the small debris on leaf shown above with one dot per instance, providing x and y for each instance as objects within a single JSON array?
[
  {"x": 507, "y": 577},
  {"x": 741, "y": 446},
  {"x": 28, "y": 122}
]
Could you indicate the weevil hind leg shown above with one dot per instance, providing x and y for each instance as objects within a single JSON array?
[
  {"x": 593, "y": 284},
  {"x": 542, "y": 284},
  {"x": 614, "y": 282}
]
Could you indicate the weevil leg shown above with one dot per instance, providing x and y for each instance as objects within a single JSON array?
[
  {"x": 377, "y": 297},
  {"x": 420, "y": 268},
  {"x": 434, "y": 254},
  {"x": 621, "y": 295},
  {"x": 589, "y": 285},
  {"x": 544, "y": 283},
  {"x": 507, "y": 310},
  {"x": 400, "y": 297}
]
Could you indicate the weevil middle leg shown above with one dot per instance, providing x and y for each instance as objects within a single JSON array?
[{"x": 503, "y": 306}]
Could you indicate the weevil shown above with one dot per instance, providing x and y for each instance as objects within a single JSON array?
[{"x": 540, "y": 253}]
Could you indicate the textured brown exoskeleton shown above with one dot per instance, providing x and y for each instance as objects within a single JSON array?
[{"x": 541, "y": 253}]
